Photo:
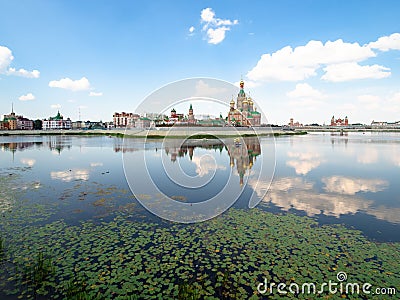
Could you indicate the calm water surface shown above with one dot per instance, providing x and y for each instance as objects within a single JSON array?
[{"x": 351, "y": 179}]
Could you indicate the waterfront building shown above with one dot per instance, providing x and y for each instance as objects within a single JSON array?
[
  {"x": 179, "y": 118},
  {"x": 385, "y": 124},
  {"x": 122, "y": 120},
  {"x": 339, "y": 122},
  {"x": 191, "y": 119},
  {"x": 24, "y": 123},
  {"x": 57, "y": 122},
  {"x": 10, "y": 121},
  {"x": 294, "y": 124},
  {"x": 143, "y": 122},
  {"x": 212, "y": 122},
  {"x": 77, "y": 125},
  {"x": 245, "y": 114},
  {"x": 14, "y": 122},
  {"x": 175, "y": 117}
]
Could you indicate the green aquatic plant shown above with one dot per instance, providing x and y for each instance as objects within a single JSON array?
[
  {"x": 123, "y": 255},
  {"x": 35, "y": 273},
  {"x": 187, "y": 291},
  {"x": 76, "y": 289},
  {"x": 2, "y": 248}
]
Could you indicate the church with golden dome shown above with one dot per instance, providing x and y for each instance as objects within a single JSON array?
[{"x": 245, "y": 114}]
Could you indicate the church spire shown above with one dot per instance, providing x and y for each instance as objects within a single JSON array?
[{"x": 12, "y": 109}]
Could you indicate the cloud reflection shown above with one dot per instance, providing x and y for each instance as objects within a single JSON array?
[
  {"x": 367, "y": 156},
  {"x": 294, "y": 192},
  {"x": 69, "y": 175},
  {"x": 206, "y": 164},
  {"x": 5, "y": 204},
  {"x": 28, "y": 161},
  {"x": 96, "y": 164},
  {"x": 304, "y": 162},
  {"x": 300, "y": 194},
  {"x": 351, "y": 186}
]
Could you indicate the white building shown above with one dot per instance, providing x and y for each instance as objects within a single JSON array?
[
  {"x": 143, "y": 123},
  {"x": 24, "y": 123},
  {"x": 56, "y": 122},
  {"x": 122, "y": 120}
]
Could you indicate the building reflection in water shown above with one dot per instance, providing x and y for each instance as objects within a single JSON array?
[
  {"x": 56, "y": 142},
  {"x": 242, "y": 152},
  {"x": 339, "y": 138},
  {"x": 244, "y": 155}
]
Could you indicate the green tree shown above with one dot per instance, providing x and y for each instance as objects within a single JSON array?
[{"x": 37, "y": 124}]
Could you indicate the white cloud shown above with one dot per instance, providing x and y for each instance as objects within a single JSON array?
[
  {"x": 216, "y": 36},
  {"x": 69, "y": 84},
  {"x": 27, "y": 97},
  {"x": 379, "y": 108},
  {"x": 395, "y": 98},
  {"x": 207, "y": 15},
  {"x": 203, "y": 89},
  {"x": 370, "y": 102},
  {"x": 305, "y": 103},
  {"x": 215, "y": 28},
  {"x": 304, "y": 90},
  {"x": 352, "y": 70},
  {"x": 288, "y": 64},
  {"x": 23, "y": 73},
  {"x": 191, "y": 29},
  {"x": 58, "y": 106},
  {"x": 6, "y": 58},
  {"x": 248, "y": 84},
  {"x": 386, "y": 43},
  {"x": 94, "y": 94}
]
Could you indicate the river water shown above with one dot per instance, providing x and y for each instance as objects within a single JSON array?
[{"x": 351, "y": 179}]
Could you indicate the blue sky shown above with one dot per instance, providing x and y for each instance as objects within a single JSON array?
[{"x": 303, "y": 59}]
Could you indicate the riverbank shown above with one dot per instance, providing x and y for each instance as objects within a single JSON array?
[
  {"x": 192, "y": 132},
  {"x": 165, "y": 132}
]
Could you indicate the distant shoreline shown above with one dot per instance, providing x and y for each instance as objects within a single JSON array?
[
  {"x": 179, "y": 132},
  {"x": 191, "y": 132}
]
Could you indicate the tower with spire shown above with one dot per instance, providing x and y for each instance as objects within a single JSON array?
[
  {"x": 191, "y": 119},
  {"x": 10, "y": 121},
  {"x": 245, "y": 114}
]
